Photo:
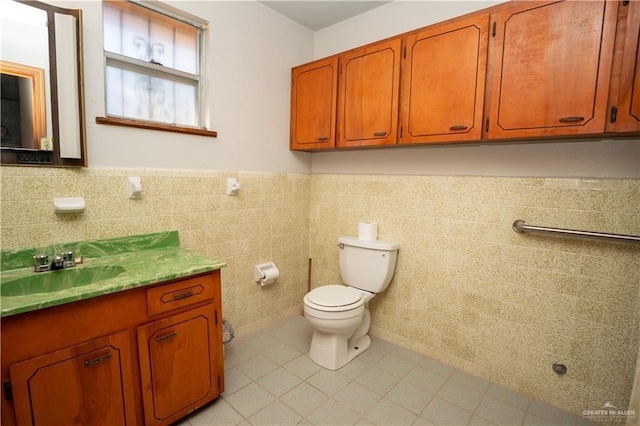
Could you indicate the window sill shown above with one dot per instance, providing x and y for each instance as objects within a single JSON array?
[{"x": 155, "y": 126}]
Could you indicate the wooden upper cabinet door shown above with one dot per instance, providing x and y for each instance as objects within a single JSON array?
[
  {"x": 368, "y": 89},
  {"x": 551, "y": 63},
  {"x": 313, "y": 104},
  {"x": 626, "y": 117},
  {"x": 443, "y": 82}
]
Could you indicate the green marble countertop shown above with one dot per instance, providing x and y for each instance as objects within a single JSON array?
[{"x": 136, "y": 261}]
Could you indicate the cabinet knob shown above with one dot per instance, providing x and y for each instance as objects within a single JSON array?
[
  {"x": 323, "y": 138},
  {"x": 458, "y": 127},
  {"x": 571, "y": 119},
  {"x": 379, "y": 133}
]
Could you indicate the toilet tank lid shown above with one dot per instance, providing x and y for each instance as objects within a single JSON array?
[{"x": 375, "y": 244}]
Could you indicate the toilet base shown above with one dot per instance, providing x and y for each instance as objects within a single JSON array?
[
  {"x": 333, "y": 351},
  {"x": 359, "y": 346}
]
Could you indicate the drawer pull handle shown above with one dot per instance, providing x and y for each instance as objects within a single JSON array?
[
  {"x": 184, "y": 295},
  {"x": 571, "y": 119},
  {"x": 458, "y": 127},
  {"x": 166, "y": 337},
  {"x": 379, "y": 133},
  {"x": 95, "y": 361},
  {"x": 323, "y": 138}
]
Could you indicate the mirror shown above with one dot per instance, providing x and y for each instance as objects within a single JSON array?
[{"x": 42, "y": 97}]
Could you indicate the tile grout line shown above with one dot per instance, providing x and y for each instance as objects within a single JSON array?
[{"x": 382, "y": 361}]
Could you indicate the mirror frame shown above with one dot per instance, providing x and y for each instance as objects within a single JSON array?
[
  {"x": 38, "y": 101},
  {"x": 36, "y": 157}
]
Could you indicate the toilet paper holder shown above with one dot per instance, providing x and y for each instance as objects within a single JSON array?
[{"x": 265, "y": 273}]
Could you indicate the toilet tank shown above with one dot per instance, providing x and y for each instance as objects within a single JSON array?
[{"x": 367, "y": 265}]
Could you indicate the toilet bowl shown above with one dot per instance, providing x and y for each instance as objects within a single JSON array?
[{"x": 335, "y": 312}]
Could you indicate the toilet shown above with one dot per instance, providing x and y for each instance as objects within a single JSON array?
[{"x": 340, "y": 314}]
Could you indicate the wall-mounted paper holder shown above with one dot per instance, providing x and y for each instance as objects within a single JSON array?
[{"x": 265, "y": 273}]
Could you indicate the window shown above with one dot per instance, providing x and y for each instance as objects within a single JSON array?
[{"x": 153, "y": 66}]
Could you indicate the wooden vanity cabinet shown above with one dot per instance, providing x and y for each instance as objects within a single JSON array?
[
  {"x": 551, "y": 66},
  {"x": 314, "y": 88},
  {"x": 87, "y": 384},
  {"x": 148, "y": 355},
  {"x": 444, "y": 72},
  {"x": 624, "y": 99},
  {"x": 368, "y": 95}
]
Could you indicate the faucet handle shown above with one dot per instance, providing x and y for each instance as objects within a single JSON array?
[
  {"x": 67, "y": 259},
  {"x": 41, "y": 262}
]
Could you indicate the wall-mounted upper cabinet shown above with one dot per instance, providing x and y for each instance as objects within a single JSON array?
[
  {"x": 624, "y": 99},
  {"x": 314, "y": 88},
  {"x": 516, "y": 71},
  {"x": 443, "y": 82},
  {"x": 368, "y": 94},
  {"x": 551, "y": 65}
]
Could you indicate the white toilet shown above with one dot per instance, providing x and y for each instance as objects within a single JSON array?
[{"x": 340, "y": 314}]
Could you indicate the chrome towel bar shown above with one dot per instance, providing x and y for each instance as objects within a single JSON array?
[{"x": 521, "y": 226}]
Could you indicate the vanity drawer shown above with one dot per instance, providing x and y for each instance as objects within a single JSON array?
[{"x": 178, "y": 294}]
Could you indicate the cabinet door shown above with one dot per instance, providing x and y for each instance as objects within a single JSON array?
[
  {"x": 627, "y": 117},
  {"x": 443, "y": 82},
  {"x": 87, "y": 384},
  {"x": 368, "y": 91},
  {"x": 551, "y": 63},
  {"x": 314, "y": 88},
  {"x": 178, "y": 364}
]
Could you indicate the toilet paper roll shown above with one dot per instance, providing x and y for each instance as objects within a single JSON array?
[
  {"x": 270, "y": 275},
  {"x": 367, "y": 231}
]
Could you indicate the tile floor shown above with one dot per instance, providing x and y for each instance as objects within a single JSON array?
[{"x": 270, "y": 380}]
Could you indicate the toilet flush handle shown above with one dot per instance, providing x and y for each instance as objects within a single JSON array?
[{"x": 341, "y": 246}]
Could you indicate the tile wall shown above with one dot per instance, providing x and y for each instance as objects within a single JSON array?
[
  {"x": 474, "y": 294},
  {"x": 267, "y": 221},
  {"x": 467, "y": 289}
]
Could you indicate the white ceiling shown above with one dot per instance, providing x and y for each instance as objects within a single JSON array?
[{"x": 317, "y": 15}]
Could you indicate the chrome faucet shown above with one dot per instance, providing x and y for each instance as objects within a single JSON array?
[
  {"x": 41, "y": 263},
  {"x": 66, "y": 259}
]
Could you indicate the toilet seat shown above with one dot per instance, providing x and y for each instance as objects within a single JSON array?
[{"x": 334, "y": 298}]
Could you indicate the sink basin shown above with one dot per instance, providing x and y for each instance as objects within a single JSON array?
[{"x": 47, "y": 282}]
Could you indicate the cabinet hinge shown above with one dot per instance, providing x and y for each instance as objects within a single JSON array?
[
  {"x": 493, "y": 30},
  {"x": 614, "y": 114},
  {"x": 8, "y": 390},
  {"x": 486, "y": 125}
]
